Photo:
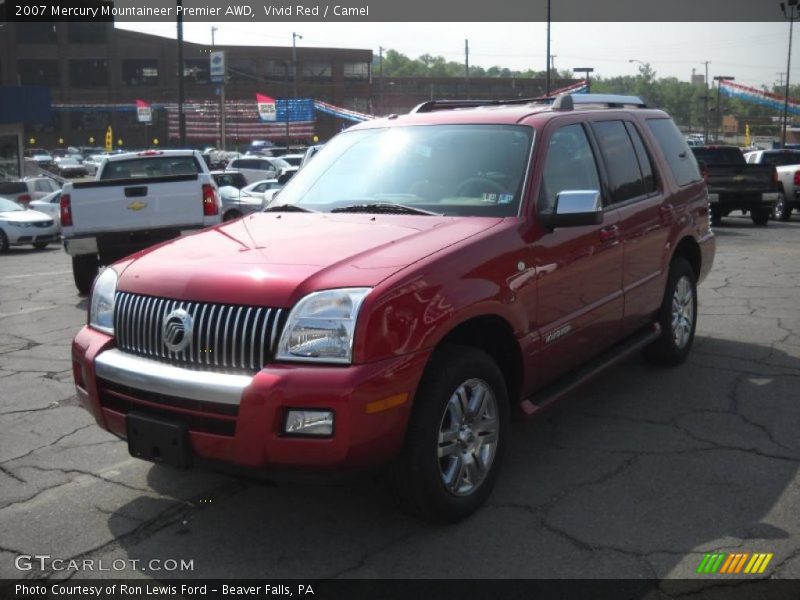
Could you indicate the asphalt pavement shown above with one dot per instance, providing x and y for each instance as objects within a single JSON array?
[{"x": 638, "y": 474}]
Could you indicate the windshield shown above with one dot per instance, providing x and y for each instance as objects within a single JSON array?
[
  {"x": 453, "y": 170},
  {"x": 7, "y": 205}
]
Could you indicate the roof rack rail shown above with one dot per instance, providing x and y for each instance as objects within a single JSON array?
[
  {"x": 434, "y": 105},
  {"x": 568, "y": 101}
]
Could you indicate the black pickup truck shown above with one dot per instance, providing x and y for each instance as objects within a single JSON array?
[{"x": 735, "y": 185}]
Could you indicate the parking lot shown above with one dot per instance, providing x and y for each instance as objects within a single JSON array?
[{"x": 636, "y": 475}]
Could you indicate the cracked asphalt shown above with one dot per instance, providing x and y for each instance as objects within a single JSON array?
[{"x": 634, "y": 476}]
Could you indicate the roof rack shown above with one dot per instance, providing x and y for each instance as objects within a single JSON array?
[{"x": 560, "y": 102}]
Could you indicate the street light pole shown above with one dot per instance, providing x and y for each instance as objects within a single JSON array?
[
  {"x": 381, "y": 110},
  {"x": 586, "y": 71},
  {"x": 791, "y": 14},
  {"x": 718, "y": 121},
  {"x": 705, "y": 105},
  {"x": 547, "y": 70},
  {"x": 181, "y": 114},
  {"x": 295, "y": 36}
]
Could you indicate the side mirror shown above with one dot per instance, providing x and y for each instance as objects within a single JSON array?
[{"x": 575, "y": 208}]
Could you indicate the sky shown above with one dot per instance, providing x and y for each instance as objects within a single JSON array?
[{"x": 753, "y": 53}]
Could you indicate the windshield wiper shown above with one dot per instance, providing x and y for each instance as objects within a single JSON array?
[
  {"x": 385, "y": 207},
  {"x": 288, "y": 208}
]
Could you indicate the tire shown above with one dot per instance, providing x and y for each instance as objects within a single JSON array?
[
  {"x": 781, "y": 212},
  {"x": 84, "y": 270},
  {"x": 231, "y": 215},
  {"x": 760, "y": 216},
  {"x": 40, "y": 245},
  {"x": 677, "y": 330},
  {"x": 3, "y": 242},
  {"x": 436, "y": 476}
]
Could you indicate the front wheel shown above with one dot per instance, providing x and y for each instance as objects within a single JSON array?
[
  {"x": 40, "y": 245},
  {"x": 760, "y": 216},
  {"x": 456, "y": 436},
  {"x": 677, "y": 317},
  {"x": 84, "y": 270}
]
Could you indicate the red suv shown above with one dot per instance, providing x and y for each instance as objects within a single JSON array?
[{"x": 425, "y": 277}]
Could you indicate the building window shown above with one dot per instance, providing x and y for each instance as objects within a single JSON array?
[
  {"x": 196, "y": 70},
  {"x": 356, "y": 70},
  {"x": 278, "y": 70},
  {"x": 316, "y": 71},
  {"x": 36, "y": 33},
  {"x": 87, "y": 33},
  {"x": 242, "y": 70},
  {"x": 137, "y": 72},
  {"x": 9, "y": 157},
  {"x": 39, "y": 72},
  {"x": 88, "y": 72}
]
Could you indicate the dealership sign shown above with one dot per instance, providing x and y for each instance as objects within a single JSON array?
[
  {"x": 266, "y": 108},
  {"x": 144, "y": 112},
  {"x": 217, "y": 66}
]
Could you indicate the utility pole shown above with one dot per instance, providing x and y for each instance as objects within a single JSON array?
[
  {"x": 221, "y": 92},
  {"x": 718, "y": 121},
  {"x": 466, "y": 65},
  {"x": 547, "y": 70},
  {"x": 791, "y": 14},
  {"x": 382, "y": 107},
  {"x": 780, "y": 76},
  {"x": 295, "y": 36},
  {"x": 181, "y": 114},
  {"x": 705, "y": 105}
]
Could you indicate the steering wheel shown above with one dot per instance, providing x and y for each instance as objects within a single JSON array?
[{"x": 482, "y": 183}]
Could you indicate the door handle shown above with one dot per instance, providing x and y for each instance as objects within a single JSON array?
[{"x": 609, "y": 233}]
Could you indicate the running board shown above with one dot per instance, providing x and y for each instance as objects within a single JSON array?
[{"x": 565, "y": 384}]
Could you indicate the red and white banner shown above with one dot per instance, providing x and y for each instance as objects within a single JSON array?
[
  {"x": 144, "y": 112},
  {"x": 266, "y": 108}
]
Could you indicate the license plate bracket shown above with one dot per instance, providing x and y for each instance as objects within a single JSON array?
[{"x": 158, "y": 440}]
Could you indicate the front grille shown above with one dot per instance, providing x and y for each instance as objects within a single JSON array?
[
  {"x": 206, "y": 417},
  {"x": 226, "y": 337},
  {"x": 42, "y": 224}
]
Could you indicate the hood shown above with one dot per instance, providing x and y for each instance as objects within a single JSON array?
[
  {"x": 24, "y": 216},
  {"x": 273, "y": 259}
]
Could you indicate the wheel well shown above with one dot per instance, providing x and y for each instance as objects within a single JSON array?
[
  {"x": 689, "y": 249},
  {"x": 493, "y": 335}
]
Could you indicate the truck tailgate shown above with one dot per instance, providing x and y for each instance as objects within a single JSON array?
[
  {"x": 740, "y": 179},
  {"x": 137, "y": 204}
]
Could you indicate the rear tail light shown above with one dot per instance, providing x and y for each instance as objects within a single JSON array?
[
  {"x": 66, "y": 210},
  {"x": 210, "y": 201},
  {"x": 775, "y": 176},
  {"x": 797, "y": 177},
  {"x": 24, "y": 199}
]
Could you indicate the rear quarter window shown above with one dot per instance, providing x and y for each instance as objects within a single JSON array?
[{"x": 680, "y": 160}]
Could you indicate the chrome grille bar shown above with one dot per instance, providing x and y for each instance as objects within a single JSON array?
[{"x": 226, "y": 337}]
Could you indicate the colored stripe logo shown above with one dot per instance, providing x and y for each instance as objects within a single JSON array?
[{"x": 735, "y": 563}]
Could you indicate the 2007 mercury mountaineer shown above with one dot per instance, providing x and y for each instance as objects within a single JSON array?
[{"x": 419, "y": 281}]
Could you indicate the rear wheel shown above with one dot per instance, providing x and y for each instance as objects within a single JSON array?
[
  {"x": 760, "y": 216},
  {"x": 456, "y": 436},
  {"x": 781, "y": 212},
  {"x": 677, "y": 316},
  {"x": 84, "y": 270}
]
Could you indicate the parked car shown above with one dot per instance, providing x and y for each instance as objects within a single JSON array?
[
  {"x": 402, "y": 299},
  {"x": 256, "y": 168},
  {"x": 294, "y": 160},
  {"x": 49, "y": 205},
  {"x": 260, "y": 188},
  {"x": 42, "y": 157},
  {"x": 787, "y": 165},
  {"x": 23, "y": 191},
  {"x": 20, "y": 226},
  {"x": 236, "y": 202},
  {"x": 69, "y": 167},
  {"x": 229, "y": 178},
  {"x": 93, "y": 162},
  {"x": 137, "y": 200},
  {"x": 735, "y": 185}
]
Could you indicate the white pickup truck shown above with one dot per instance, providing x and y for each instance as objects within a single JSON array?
[{"x": 136, "y": 200}]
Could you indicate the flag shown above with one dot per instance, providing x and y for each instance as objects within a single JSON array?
[
  {"x": 143, "y": 112},
  {"x": 266, "y": 107}
]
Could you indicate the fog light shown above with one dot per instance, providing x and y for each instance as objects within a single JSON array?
[{"x": 309, "y": 422}]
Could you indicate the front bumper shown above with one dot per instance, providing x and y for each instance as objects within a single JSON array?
[
  {"x": 19, "y": 236},
  {"x": 238, "y": 419},
  {"x": 744, "y": 201}
]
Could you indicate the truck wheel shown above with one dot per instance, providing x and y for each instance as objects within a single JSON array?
[
  {"x": 677, "y": 316},
  {"x": 781, "y": 212},
  {"x": 760, "y": 216},
  {"x": 456, "y": 436},
  {"x": 3, "y": 242},
  {"x": 84, "y": 270}
]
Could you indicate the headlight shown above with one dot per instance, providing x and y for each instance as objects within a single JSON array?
[
  {"x": 101, "y": 310},
  {"x": 320, "y": 327}
]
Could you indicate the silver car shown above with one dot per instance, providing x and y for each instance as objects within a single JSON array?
[
  {"x": 236, "y": 203},
  {"x": 21, "y": 226}
]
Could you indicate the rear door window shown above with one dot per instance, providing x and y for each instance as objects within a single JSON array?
[
  {"x": 624, "y": 174},
  {"x": 679, "y": 157}
]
